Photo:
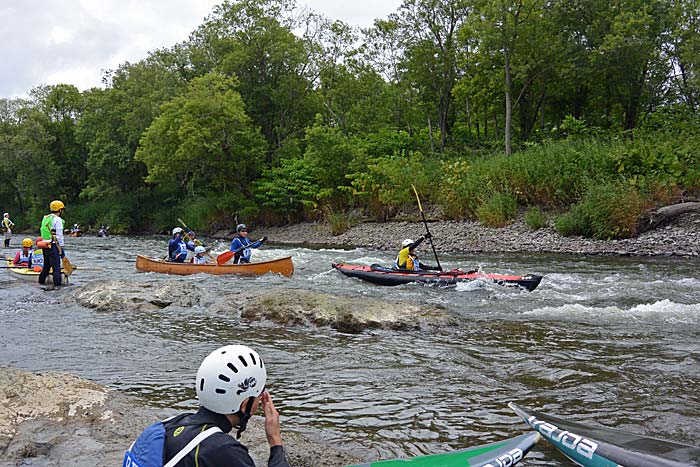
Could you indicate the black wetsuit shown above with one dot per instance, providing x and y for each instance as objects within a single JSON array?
[{"x": 218, "y": 450}]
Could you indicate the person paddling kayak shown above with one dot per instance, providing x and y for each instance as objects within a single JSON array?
[
  {"x": 25, "y": 255},
  {"x": 408, "y": 259}
]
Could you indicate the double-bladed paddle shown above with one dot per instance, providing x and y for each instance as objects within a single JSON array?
[{"x": 430, "y": 239}]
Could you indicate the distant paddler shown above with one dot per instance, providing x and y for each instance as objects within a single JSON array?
[{"x": 7, "y": 225}]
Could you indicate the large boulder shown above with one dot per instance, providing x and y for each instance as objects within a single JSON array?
[{"x": 345, "y": 314}]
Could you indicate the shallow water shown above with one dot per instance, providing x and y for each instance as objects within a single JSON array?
[{"x": 614, "y": 341}]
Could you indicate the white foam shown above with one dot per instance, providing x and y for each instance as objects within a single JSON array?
[{"x": 663, "y": 310}]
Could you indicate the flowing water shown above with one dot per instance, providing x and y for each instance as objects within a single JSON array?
[{"x": 613, "y": 341}]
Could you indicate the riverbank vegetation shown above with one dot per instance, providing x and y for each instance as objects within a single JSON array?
[{"x": 580, "y": 111}]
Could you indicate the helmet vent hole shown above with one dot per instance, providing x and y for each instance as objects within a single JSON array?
[
  {"x": 220, "y": 391},
  {"x": 245, "y": 364},
  {"x": 233, "y": 368},
  {"x": 201, "y": 384},
  {"x": 252, "y": 357},
  {"x": 224, "y": 378}
]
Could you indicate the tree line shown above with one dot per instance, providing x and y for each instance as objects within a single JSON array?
[{"x": 273, "y": 113}]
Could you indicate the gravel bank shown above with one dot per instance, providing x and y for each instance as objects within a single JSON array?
[{"x": 680, "y": 237}]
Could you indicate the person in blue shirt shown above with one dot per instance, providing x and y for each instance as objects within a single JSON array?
[
  {"x": 242, "y": 246},
  {"x": 177, "y": 246}
]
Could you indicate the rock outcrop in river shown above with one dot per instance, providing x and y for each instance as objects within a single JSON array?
[
  {"x": 56, "y": 419},
  {"x": 281, "y": 306},
  {"x": 345, "y": 314}
]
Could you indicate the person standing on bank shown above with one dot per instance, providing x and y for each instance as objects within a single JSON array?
[
  {"x": 52, "y": 230},
  {"x": 230, "y": 386},
  {"x": 7, "y": 225},
  {"x": 242, "y": 246}
]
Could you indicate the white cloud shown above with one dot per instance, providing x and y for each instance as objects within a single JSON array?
[{"x": 74, "y": 41}]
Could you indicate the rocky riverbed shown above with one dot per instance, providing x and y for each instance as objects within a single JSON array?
[{"x": 679, "y": 237}]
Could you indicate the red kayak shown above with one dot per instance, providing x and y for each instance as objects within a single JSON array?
[{"x": 386, "y": 276}]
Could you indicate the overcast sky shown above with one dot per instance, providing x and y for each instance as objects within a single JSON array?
[{"x": 73, "y": 41}]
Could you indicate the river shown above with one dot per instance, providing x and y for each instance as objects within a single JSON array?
[{"x": 603, "y": 340}]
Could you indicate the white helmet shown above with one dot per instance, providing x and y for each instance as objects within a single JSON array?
[
  {"x": 228, "y": 376},
  {"x": 199, "y": 249},
  {"x": 6, "y": 214},
  {"x": 406, "y": 242},
  {"x": 177, "y": 230}
]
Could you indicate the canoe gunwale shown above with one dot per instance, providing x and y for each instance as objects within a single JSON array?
[{"x": 283, "y": 266}]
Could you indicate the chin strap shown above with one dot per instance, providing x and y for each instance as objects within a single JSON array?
[{"x": 244, "y": 417}]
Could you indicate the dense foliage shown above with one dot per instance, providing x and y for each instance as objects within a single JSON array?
[{"x": 580, "y": 110}]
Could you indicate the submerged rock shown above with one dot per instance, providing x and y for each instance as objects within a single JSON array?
[
  {"x": 345, "y": 314},
  {"x": 57, "y": 419}
]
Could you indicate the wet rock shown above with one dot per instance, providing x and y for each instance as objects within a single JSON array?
[
  {"x": 346, "y": 314},
  {"x": 125, "y": 295},
  {"x": 56, "y": 419},
  {"x": 281, "y": 306}
]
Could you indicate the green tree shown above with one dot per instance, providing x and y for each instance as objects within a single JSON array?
[
  {"x": 429, "y": 30},
  {"x": 203, "y": 140}
]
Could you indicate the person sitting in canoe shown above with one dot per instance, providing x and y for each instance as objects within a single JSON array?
[
  {"x": 200, "y": 255},
  {"x": 242, "y": 246},
  {"x": 177, "y": 247},
  {"x": 407, "y": 258},
  {"x": 24, "y": 257}
]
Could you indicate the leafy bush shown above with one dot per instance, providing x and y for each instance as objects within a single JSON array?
[
  {"x": 552, "y": 175},
  {"x": 535, "y": 218},
  {"x": 378, "y": 184},
  {"x": 498, "y": 210},
  {"x": 288, "y": 190},
  {"x": 609, "y": 210},
  {"x": 337, "y": 220}
]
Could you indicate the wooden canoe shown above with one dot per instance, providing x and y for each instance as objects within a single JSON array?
[
  {"x": 76, "y": 234},
  {"x": 283, "y": 266},
  {"x": 31, "y": 275}
]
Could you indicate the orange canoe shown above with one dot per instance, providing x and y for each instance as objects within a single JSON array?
[{"x": 283, "y": 266}]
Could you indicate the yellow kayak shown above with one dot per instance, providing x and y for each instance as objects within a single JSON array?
[{"x": 31, "y": 274}]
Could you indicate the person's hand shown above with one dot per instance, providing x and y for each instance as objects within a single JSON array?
[
  {"x": 272, "y": 421},
  {"x": 264, "y": 239},
  {"x": 427, "y": 235}
]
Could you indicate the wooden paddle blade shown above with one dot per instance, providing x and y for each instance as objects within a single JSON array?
[
  {"x": 224, "y": 257},
  {"x": 67, "y": 266}
]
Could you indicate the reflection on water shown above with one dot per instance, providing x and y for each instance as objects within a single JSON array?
[{"x": 614, "y": 341}]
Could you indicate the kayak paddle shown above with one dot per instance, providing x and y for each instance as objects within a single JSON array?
[{"x": 426, "y": 226}]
